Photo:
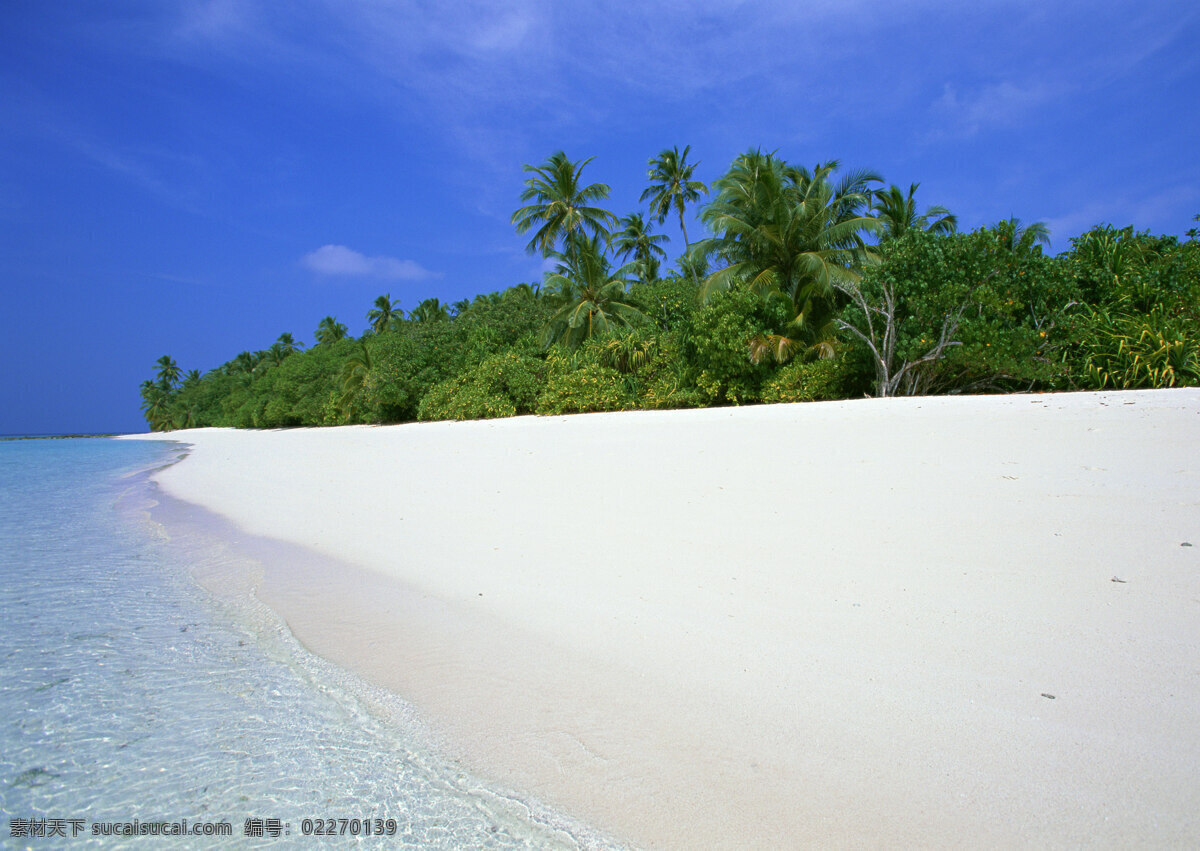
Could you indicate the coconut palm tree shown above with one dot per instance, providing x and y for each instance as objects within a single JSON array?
[
  {"x": 430, "y": 310},
  {"x": 523, "y": 290},
  {"x": 635, "y": 239},
  {"x": 156, "y": 405},
  {"x": 330, "y": 331},
  {"x": 590, "y": 295},
  {"x": 168, "y": 372},
  {"x": 563, "y": 207},
  {"x": 487, "y": 299},
  {"x": 288, "y": 343},
  {"x": 897, "y": 211},
  {"x": 1021, "y": 239},
  {"x": 783, "y": 230},
  {"x": 381, "y": 316},
  {"x": 355, "y": 372},
  {"x": 671, "y": 186},
  {"x": 459, "y": 307}
]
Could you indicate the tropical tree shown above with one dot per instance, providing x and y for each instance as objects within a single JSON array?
[
  {"x": 168, "y": 372},
  {"x": 671, "y": 186},
  {"x": 590, "y": 295},
  {"x": 1019, "y": 238},
  {"x": 330, "y": 331},
  {"x": 788, "y": 232},
  {"x": 355, "y": 371},
  {"x": 562, "y": 206},
  {"x": 635, "y": 239},
  {"x": 156, "y": 402},
  {"x": 430, "y": 310},
  {"x": 381, "y": 315},
  {"x": 275, "y": 355},
  {"x": 244, "y": 363},
  {"x": 459, "y": 307},
  {"x": 1194, "y": 233},
  {"x": 897, "y": 212},
  {"x": 288, "y": 343}
]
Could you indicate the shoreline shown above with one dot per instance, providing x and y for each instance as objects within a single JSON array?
[{"x": 780, "y": 624}]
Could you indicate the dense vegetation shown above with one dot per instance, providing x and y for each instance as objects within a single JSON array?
[{"x": 808, "y": 285}]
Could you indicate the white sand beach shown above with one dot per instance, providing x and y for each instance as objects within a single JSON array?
[{"x": 928, "y": 622}]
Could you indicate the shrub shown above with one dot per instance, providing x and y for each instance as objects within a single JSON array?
[
  {"x": 806, "y": 382},
  {"x": 578, "y": 383},
  {"x": 502, "y": 385}
]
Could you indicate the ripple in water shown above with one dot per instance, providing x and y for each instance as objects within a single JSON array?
[{"x": 126, "y": 692}]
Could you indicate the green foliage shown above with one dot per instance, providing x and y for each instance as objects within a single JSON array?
[
  {"x": 811, "y": 381},
  {"x": 784, "y": 230},
  {"x": 634, "y": 239},
  {"x": 897, "y": 212},
  {"x": 672, "y": 187},
  {"x": 577, "y": 383},
  {"x": 408, "y": 364},
  {"x": 384, "y": 313},
  {"x": 788, "y": 262},
  {"x": 944, "y": 314},
  {"x": 330, "y": 331},
  {"x": 720, "y": 344},
  {"x": 589, "y": 295},
  {"x": 668, "y": 380},
  {"x": 1141, "y": 308},
  {"x": 669, "y": 302},
  {"x": 502, "y": 385},
  {"x": 298, "y": 391},
  {"x": 1125, "y": 351},
  {"x": 562, "y": 208}
]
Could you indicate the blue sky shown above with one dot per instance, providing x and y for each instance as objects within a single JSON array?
[{"x": 194, "y": 178}]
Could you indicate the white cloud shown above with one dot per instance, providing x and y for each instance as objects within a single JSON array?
[
  {"x": 997, "y": 105},
  {"x": 338, "y": 261}
]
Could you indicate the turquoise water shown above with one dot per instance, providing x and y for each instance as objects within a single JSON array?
[{"x": 128, "y": 693}]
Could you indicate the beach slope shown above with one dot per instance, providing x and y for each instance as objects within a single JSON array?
[{"x": 930, "y": 621}]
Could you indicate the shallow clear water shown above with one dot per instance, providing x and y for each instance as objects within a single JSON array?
[{"x": 127, "y": 692}]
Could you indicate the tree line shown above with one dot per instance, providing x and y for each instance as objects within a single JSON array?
[{"x": 808, "y": 284}]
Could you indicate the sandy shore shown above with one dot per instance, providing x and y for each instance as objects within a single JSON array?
[{"x": 933, "y": 622}]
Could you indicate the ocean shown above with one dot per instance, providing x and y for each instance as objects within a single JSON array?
[{"x": 136, "y": 704}]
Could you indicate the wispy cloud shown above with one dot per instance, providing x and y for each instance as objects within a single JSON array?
[
  {"x": 338, "y": 261},
  {"x": 1170, "y": 203},
  {"x": 962, "y": 114}
]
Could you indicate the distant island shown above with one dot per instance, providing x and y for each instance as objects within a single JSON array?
[{"x": 810, "y": 284}]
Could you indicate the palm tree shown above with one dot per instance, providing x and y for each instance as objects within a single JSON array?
[
  {"x": 430, "y": 310},
  {"x": 330, "y": 331},
  {"x": 355, "y": 371},
  {"x": 1021, "y": 239},
  {"x": 381, "y": 316},
  {"x": 523, "y": 290},
  {"x": 671, "y": 186},
  {"x": 276, "y": 354},
  {"x": 459, "y": 307},
  {"x": 897, "y": 212},
  {"x": 1194, "y": 233},
  {"x": 693, "y": 265},
  {"x": 635, "y": 238},
  {"x": 156, "y": 402},
  {"x": 168, "y": 372},
  {"x": 487, "y": 299},
  {"x": 563, "y": 207},
  {"x": 288, "y": 343},
  {"x": 590, "y": 295},
  {"x": 192, "y": 378},
  {"x": 782, "y": 230}
]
